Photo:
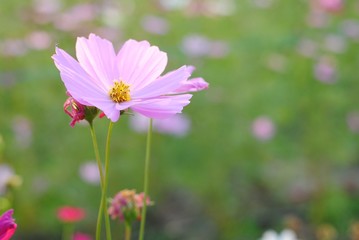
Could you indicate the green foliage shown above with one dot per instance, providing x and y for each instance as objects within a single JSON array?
[{"x": 229, "y": 180}]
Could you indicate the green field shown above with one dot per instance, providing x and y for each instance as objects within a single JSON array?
[{"x": 291, "y": 64}]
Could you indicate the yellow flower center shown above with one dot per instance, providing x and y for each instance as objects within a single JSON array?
[{"x": 120, "y": 92}]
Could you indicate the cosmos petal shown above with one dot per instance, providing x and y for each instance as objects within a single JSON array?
[
  {"x": 162, "y": 107},
  {"x": 139, "y": 63},
  {"x": 98, "y": 58},
  {"x": 163, "y": 85},
  {"x": 192, "y": 85},
  {"x": 76, "y": 80}
]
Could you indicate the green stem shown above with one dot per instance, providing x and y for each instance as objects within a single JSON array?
[
  {"x": 128, "y": 230},
  {"x": 99, "y": 165},
  {"x": 99, "y": 219},
  {"x": 104, "y": 190},
  {"x": 97, "y": 153},
  {"x": 68, "y": 231},
  {"x": 147, "y": 164}
]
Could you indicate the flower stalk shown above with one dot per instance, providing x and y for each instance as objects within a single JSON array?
[
  {"x": 146, "y": 173},
  {"x": 99, "y": 164},
  {"x": 105, "y": 186},
  {"x": 68, "y": 231},
  {"x": 128, "y": 230}
]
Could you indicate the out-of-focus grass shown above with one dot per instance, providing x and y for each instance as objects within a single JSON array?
[{"x": 238, "y": 185}]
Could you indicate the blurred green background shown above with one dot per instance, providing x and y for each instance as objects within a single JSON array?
[{"x": 273, "y": 142}]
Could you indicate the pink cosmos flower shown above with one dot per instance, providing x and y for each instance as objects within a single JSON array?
[
  {"x": 129, "y": 79},
  {"x": 7, "y": 225},
  {"x": 70, "y": 214}
]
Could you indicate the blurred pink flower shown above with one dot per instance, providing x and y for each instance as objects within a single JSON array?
[
  {"x": 6, "y": 173},
  {"x": 38, "y": 40},
  {"x": 353, "y": 121},
  {"x": 325, "y": 71},
  {"x": 139, "y": 200},
  {"x": 13, "y": 47},
  {"x": 47, "y": 6},
  {"x": 155, "y": 25},
  {"x": 127, "y": 205},
  {"x": 75, "y": 17},
  {"x": 68, "y": 214},
  {"x": 89, "y": 173},
  {"x": 116, "y": 82},
  {"x": 263, "y": 128},
  {"x": 219, "y": 49},
  {"x": 7, "y": 225},
  {"x": 350, "y": 28},
  {"x": 307, "y": 47},
  {"x": 22, "y": 128},
  {"x": 196, "y": 45},
  {"x": 317, "y": 19},
  {"x": 331, "y": 5},
  {"x": 81, "y": 236},
  {"x": 335, "y": 43},
  {"x": 178, "y": 125},
  {"x": 318, "y": 15}
]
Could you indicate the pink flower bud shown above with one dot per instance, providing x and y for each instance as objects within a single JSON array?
[
  {"x": 75, "y": 110},
  {"x": 7, "y": 225}
]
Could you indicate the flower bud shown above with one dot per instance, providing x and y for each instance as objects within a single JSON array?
[
  {"x": 127, "y": 205},
  {"x": 78, "y": 111},
  {"x": 7, "y": 225}
]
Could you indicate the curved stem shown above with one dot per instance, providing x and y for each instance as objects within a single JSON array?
[
  {"x": 105, "y": 185},
  {"x": 99, "y": 165},
  {"x": 147, "y": 164}
]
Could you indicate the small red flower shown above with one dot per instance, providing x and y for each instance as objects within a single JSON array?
[
  {"x": 7, "y": 225},
  {"x": 81, "y": 236},
  {"x": 70, "y": 214},
  {"x": 74, "y": 109}
]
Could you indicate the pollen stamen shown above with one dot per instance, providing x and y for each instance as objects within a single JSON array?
[{"x": 120, "y": 92}]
